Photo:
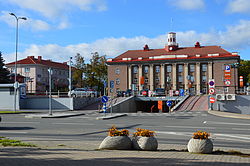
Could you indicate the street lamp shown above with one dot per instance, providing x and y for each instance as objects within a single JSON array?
[
  {"x": 70, "y": 76},
  {"x": 16, "y": 83}
]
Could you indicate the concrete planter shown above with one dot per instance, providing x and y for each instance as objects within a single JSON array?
[
  {"x": 144, "y": 143},
  {"x": 116, "y": 143},
  {"x": 200, "y": 146}
]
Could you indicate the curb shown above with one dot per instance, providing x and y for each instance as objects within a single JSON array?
[
  {"x": 229, "y": 114},
  {"x": 111, "y": 116},
  {"x": 53, "y": 116}
]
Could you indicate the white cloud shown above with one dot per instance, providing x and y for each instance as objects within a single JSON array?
[
  {"x": 188, "y": 4},
  {"x": 57, "y": 8},
  {"x": 35, "y": 25},
  {"x": 235, "y": 38},
  {"x": 239, "y": 6}
]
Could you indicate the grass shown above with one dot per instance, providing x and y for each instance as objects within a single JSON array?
[{"x": 8, "y": 142}]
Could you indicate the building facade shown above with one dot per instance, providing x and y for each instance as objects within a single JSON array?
[
  {"x": 174, "y": 68},
  {"x": 35, "y": 72}
]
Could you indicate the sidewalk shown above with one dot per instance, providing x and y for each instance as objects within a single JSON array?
[
  {"x": 85, "y": 153},
  {"x": 229, "y": 114}
]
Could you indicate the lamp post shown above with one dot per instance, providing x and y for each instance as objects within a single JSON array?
[
  {"x": 70, "y": 76},
  {"x": 50, "y": 97},
  {"x": 16, "y": 83}
]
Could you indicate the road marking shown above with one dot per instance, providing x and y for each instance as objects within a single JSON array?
[
  {"x": 239, "y": 129},
  {"x": 191, "y": 127},
  {"x": 21, "y": 122},
  {"x": 225, "y": 123},
  {"x": 13, "y": 132},
  {"x": 88, "y": 124},
  {"x": 238, "y": 136}
]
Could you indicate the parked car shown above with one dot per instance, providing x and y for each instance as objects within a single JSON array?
[
  {"x": 144, "y": 92},
  {"x": 120, "y": 93},
  {"x": 82, "y": 92},
  {"x": 128, "y": 92},
  {"x": 159, "y": 92}
]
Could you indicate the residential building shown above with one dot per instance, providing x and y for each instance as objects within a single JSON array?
[
  {"x": 35, "y": 71},
  {"x": 174, "y": 68}
]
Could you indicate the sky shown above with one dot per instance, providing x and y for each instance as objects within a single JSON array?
[{"x": 59, "y": 29}]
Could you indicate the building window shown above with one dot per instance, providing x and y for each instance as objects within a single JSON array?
[
  {"x": 146, "y": 80},
  {"x": 192, "y": 68},
  {"x": 135, "y": 80},
  {"x": 135, "y": 69},
  {"x": 180, "y": 79},
  {"x": 192, "y": 78},
  {"x": 157, "y": 69},
  {"x": 26, "y": 69},
  {"x": 204, "y": 67},
  {"x": 180, "y": 68},
  {"x": 117, "y": 71},
  {"x": 117, "y": 81},
  {"x": 204, "y": 78},
  {"x": 146, "y": 69},
  {"x": 157, "y": 80},
  {"x": 169, "y": 68}
]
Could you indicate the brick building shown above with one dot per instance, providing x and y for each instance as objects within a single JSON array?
[
  {"x": 174, "y": 68},
  {"x": 35, "y": 72}
]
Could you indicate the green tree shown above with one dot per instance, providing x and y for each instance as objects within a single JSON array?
[
  {"x": 96, "y": 71},
  {"x": 78, "y": 71},
  {"x": 244, "y": 70},
  {"x": 4, "y": 78}
]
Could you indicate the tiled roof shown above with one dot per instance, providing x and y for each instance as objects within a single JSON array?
[
  {"x": 33, "y": 60},
  {"x": 190, "y": 52}
]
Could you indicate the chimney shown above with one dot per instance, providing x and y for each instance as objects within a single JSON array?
[
  {"x": 31, "y": 57},
  {"x": 39, "y": 58},
  {"x": 197, "y": 45},
  {"x": 146, "y": 48}
]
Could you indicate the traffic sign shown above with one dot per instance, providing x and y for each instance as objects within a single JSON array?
[
  {"x": 241, "y": 82},
  {"x": 177, "y": 93},
  {"x": 227, "y": 82},
  {"x": 104, "y": 99},
  {"x": 160, "y": 105},
  {"x": 212, "y": 100},
  {"x": 182, "y": 92},
  {"x": 169, "y": 103},
  {"x": 171, "y": 93},
  {"x": 104, "y": 84},
  {"x": 227, "y": 67},
  {"x": 211, "y": 91},
  {"x": 211, "y": 83},
  {"x": 112, "y": 84}
]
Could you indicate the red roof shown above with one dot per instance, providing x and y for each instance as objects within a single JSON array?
[
  {"x": 39, "y": 60},
  {"x": 191, "y": 53}
]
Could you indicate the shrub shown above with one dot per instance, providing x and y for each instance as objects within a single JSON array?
[
  {"x": 143, "y": 133},
  {"x": 201, "y": 135},
  {"x": 114, "y": 132}
]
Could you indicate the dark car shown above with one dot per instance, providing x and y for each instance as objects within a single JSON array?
[
  {"x": 159, "y": 92},
  {"x": 128, "y": 92},
  {"x": 120, "y": 93}
]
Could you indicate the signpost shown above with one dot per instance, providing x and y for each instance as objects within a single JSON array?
[
  {"x": 211, "y": 91},
  {"x": 227, "y": 82},
  {"x": 104, "y": 101},
  {"x": 227, "y": 72},
  {"x": 169, "y": 104}
]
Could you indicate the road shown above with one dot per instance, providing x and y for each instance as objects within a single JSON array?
[{"x": 176, "y": 128}]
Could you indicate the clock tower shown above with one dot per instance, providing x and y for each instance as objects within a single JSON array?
[{"x": 172, "y": 45}]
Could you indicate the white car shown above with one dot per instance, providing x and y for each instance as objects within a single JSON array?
[{"x": 82, "y": 92}]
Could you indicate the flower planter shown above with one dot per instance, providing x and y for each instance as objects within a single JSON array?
[
  {"x": 144, "y": 143},
  {"x": 200, "y": 145},
  {"x": 116, "y": 143}
]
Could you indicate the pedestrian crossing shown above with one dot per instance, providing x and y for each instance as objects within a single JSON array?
[{"x": 179, "y": 113}]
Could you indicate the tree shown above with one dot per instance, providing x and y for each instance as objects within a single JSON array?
[
  {"x": 78, "y": 71},
  {"x": 96, "y": 71},
  {"x": 244, "y": 70},
  {"x": 4, "y": 78}
]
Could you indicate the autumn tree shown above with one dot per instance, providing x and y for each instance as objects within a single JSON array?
[
  {"x": 4, "y": 78},
  {"x": 244, "y": 70},
  {"x": 79, "y": 70}
]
